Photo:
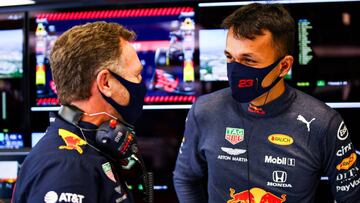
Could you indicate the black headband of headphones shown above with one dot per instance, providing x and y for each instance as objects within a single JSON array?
[{"x": 71, "y": 114}]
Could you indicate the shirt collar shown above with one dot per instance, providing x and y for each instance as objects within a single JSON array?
[
  {"x": 272, "y": 108},
  {"x": 89, "y": 129}
]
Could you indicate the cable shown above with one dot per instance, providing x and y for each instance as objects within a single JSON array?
[{"x": 148, "y": 180}]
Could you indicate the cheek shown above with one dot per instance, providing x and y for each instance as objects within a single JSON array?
[
  {"x": 121, "y": 95},
  {"x": 268, "y": 80}
]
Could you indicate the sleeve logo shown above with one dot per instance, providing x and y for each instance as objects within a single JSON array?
[
  {"x": 72, "y": 141},
  {"x": 342, "y": 132},
  {"x": 347, "y": 162},
  {"x": 108, "y": 171}
]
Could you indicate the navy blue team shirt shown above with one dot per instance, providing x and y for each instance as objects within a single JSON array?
[
  {"x": 63, "y": 167},
  {"x": 276, "y": 153}
]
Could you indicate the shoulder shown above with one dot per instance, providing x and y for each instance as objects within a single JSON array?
[
  {"x": 306, "y": 107},
  {"x": 60, "y": 148},
  {"x": 213, "y": 103},
  {"x": 311, "y": 106}
]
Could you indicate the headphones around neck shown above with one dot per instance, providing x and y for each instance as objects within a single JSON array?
[{"x": 113, "y": 138}]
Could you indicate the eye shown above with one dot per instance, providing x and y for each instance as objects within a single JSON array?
[
  {"x": 249, "y": 61},
  {"x": 229, "y": 58}
]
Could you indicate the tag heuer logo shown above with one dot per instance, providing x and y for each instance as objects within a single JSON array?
[{"x": 234, "y": 135}]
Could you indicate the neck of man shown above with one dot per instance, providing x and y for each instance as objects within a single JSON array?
[
  {"x": 92, "y": 106},
  {"x": 271, "y": 95}
]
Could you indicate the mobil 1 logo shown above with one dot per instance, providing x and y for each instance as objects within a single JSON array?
[{"x": 279, "y": 160}]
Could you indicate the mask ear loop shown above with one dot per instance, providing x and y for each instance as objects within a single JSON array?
[{"x": 267, "y": 94}]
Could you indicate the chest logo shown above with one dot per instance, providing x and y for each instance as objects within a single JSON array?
[
  {"x": 232, "y": 151},
  {"x": 280, "y": 139},
  {"x": 72, "y": 141},
  {"x": 234, "y": 135},
  {"x": 255, "y": 195},
  {"x": 307, "y": 123}
]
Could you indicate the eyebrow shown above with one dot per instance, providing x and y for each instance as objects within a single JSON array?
[
  {"x": 245, "y": 55},
  {"x": 226, "y": 52}
]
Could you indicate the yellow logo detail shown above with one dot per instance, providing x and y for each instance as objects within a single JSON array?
[
  {"x": 347, "y": 162},
  {"x": 72, "y": 141},
  {"x": 280, "y": 139},
  {"x": 255, "y": 195}
]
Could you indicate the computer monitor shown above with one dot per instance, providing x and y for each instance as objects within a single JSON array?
[
  {"x": 35, "y": 138},
  {"x": 12, "y": 83},
  {"x": 10, "y": 163},
  {"x": 10, "y": 140},
  {"x": 165, "y": 45},
  {"x": 12, "y": 45}
]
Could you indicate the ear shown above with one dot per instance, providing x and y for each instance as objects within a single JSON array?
[
  {"x": 286, "y": 65},
  {"x": 102, "y": 81}
]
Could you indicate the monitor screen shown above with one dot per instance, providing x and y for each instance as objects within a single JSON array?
[
  {"x": 165, "y": 45},
  {"x": 327, "y": 49},
  {"x": 12, "y": 45},
  {"x": 212, "y": 57},
  {"x": 11, "y": 53},
  {"x": 12, "y": 83},
  {"x": 11, "y": 140},
  {"x": 35, "y": 138},
  {"x": 10, "y": 163}
]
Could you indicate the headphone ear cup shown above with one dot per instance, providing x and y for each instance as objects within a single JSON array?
[
  {"x": 116, "y": 141},
  {"x": 103, "y": 135}
]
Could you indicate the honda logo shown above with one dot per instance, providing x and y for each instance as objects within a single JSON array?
[{"x": 279, "y": 176}]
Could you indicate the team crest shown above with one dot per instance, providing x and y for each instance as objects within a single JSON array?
[{"x": 108, "y": 171}]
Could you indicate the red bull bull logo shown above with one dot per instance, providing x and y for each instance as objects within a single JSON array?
[
  {"x": 255, "y": 195},
  {"x": 255, "y": 109},
  {"x": 72, "y": 141}
]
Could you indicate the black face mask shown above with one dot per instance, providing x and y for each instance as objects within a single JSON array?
[
  {"x": 245, "y": 81},
  {"x": 133, "y": 110}
]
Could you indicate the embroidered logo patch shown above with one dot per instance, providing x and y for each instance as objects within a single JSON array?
[
  {"x": 72, "y": 141},
  {"x": 280, "y": 139},
  {"x": 234, "y": 135},
  {"x": 347, "y": 162},
  {"x": 255, "y": 195},
  {"x": 108, "y": 171}
]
